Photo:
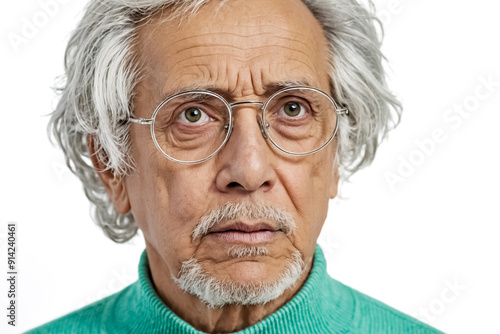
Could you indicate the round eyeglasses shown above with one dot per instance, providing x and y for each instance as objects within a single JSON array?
[{"x": 191, "y": 127}]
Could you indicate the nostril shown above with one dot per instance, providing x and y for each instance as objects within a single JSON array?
[{"x": 233, "y": 185}]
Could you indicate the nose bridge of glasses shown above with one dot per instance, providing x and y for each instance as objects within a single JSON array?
[
  {"x": 261, "y": 104},
  {"x": 236, "y": 104}
]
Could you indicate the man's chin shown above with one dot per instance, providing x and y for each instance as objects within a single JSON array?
[{"x": 249, "y": 282}]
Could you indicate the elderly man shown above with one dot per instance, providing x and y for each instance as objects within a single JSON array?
[{"x": 221, "y": 129}]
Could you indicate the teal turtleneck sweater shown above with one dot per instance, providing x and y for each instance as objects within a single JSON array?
[{"x": 323, "y": 305}]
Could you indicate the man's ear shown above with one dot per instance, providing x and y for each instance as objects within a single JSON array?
[
  {"x": 114, "y": 185},
  {"x": 334, "y": 186}
]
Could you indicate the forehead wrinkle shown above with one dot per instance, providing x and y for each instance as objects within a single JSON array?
[
  {"x": 232, "y": 46},
  {"x": 298, "y": 37},
  {"x": 242, "y": 50},
  {"x": 268, "y": 88},
  {"x": 209, "y": 73},
  {"x": 200, "y": 41},
  {"x": 216, "y": 33},
  {"x": 240, "y": 58},
  {"x": 208, "y": 78}
]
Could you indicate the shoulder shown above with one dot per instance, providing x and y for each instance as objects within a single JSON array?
[
  {"x": 92, "y": 318},
  {"x": 373, "y": 313},
  {"x": 373, "y": 316}
]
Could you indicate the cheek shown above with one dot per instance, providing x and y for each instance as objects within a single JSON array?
[
  {"x": 151, "y": 188},
  {"x": 167, "y": 201},
  {"x": 321, "y": 182},
  {"x": 308, "y": 188}
]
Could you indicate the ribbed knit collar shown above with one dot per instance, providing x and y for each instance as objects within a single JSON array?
[{"x": 316, "y": 308}]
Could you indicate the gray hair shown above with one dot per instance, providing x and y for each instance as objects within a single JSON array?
[{"x": 101, "y": 72}]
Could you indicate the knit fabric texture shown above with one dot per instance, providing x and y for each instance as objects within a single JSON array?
[{"x": 323, "y": 305}]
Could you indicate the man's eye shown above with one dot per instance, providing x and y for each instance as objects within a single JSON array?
[
  {"x": 292, "y": 109},
  {"x": 194, "y": 115}
]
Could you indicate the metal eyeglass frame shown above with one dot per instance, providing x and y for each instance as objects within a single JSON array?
[{"x": 229, "y": 127}]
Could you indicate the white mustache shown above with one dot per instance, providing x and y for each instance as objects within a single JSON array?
[{"x": 277, "y": 217}]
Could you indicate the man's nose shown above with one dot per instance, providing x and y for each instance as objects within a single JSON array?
[{"x": 246, "y": 161}]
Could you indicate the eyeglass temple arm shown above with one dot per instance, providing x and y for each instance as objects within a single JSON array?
[
  {"x": 342, "y": 111},
  {"x": 141, "y": 120}
]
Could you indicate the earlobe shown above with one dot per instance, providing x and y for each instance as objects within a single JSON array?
[{"x": 114, "y": 184}]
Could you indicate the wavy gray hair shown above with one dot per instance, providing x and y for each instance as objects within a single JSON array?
[{"x": 101, "y": 72}]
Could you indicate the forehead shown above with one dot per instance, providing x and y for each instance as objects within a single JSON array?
[{"x": 239, "y": 47}]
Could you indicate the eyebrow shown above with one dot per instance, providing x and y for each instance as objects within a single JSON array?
[{"x": 269, "y": 88}]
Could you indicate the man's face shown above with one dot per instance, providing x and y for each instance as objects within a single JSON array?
[{"x": 243, "y": 50}]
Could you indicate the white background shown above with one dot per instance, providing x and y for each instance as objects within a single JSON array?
[{"x": 404, "y": 245}]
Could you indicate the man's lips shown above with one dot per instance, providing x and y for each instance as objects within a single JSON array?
[
  {"x": 246, "y": 233},
  {"x": 242, "y": 227}
]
